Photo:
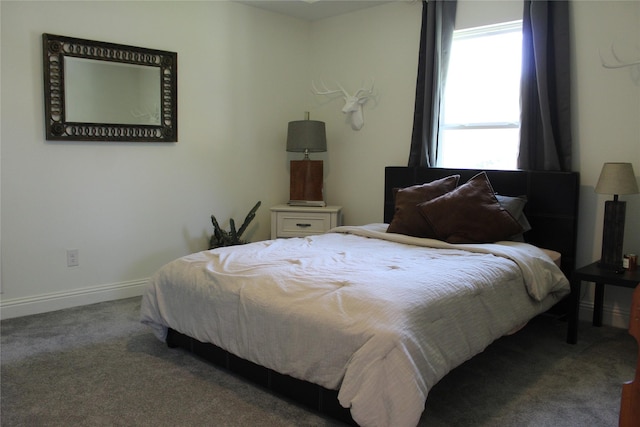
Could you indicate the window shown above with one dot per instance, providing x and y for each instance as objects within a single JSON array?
[{"x": 480, "y": 118}]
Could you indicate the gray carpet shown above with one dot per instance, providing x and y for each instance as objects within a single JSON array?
[{"x": 98, "y": 366}]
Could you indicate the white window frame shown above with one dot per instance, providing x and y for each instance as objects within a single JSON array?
[{"x": 487, "y": 30}]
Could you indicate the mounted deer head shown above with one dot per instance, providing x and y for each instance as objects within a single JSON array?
[{"x": 352, "y": 103}]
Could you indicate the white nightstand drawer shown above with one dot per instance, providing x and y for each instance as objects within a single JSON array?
[
  {"x": 298, "y": 224},
  {"x": 295, "y": 221}
]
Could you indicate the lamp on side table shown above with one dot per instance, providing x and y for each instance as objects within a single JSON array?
[
  {"x": 306, "y": 176},
  {"x": 615, "y": 178}
]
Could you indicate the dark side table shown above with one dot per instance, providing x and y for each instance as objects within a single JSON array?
[{"x": 601, "y": 277}]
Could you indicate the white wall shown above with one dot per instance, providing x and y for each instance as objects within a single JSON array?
[
  {"x": 129, "y": 208},
  {"x": 243, "y": 75},
  {"x": 381, "y": 43}
]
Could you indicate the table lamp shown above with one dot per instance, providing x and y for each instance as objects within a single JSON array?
[
  {"x": 306, "y": 175},
  {"x": 615, "y": 178}
]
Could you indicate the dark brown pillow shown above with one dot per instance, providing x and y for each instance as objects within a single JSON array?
[
  {"x": 407, "y": 218},
  {"x": 470, "y": 214}
]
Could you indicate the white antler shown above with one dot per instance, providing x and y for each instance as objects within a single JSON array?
[
  {"x": 352, "y": 103},
  {"x": 365, "y": 92},
  {"x": 619, "y": 62},
  {"x": 326, "y": 91}
]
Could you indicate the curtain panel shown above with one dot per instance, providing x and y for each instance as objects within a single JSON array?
[
  {"x": 438, "y": 21},
  {"x": 545, "y": 122}
]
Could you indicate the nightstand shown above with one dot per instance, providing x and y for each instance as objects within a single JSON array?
[
  {"x": 300, "y": 221},
  {"x": 601, "y": 277}
]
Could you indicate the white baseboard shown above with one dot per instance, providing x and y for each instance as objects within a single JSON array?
[
  {"x": 611, "y": 316},
  {"x": 18, "y": 307}
]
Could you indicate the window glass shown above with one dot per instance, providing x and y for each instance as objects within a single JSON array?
[{"x": 480, "y": 119}]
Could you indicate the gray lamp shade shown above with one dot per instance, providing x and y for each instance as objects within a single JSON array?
[
  {"x": 617, "y": 178},
  {"x": 306, "y": 135}
]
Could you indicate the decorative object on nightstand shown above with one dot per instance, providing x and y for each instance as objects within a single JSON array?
[
  {"x": 222, "y": 237},
  {"x": 615, "y": 178},
  {"x": 306, "y": 178},
  {"x": 301, "y": 221}
]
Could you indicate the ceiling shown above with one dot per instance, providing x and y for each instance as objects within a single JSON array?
[{"x": 312, "y": 10}]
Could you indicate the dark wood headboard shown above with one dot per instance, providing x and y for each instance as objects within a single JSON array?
[{"x": 552, "y": 208}]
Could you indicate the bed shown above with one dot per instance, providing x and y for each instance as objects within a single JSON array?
[{"x": 360, "y": 322}]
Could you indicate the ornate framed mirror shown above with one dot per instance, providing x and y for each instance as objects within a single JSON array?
[{"x": 98, "y": 91}]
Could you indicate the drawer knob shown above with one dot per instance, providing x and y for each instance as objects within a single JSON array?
[{"x": 303, "y": 225}]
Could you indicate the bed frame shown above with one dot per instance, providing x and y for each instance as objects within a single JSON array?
[{"x": 552, "y": 211}]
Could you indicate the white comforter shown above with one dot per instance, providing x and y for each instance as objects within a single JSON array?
[{"x": 381, "y": 317}]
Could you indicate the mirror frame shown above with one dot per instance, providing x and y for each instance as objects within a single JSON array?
[{"x": 56, "y": 48}]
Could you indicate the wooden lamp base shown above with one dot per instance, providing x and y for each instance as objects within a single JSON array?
[{"x": 306, "y": 182}]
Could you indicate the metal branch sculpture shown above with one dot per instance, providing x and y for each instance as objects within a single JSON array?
[{"x": 232, "y": 237}]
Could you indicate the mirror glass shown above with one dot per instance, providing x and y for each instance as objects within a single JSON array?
[
  {"x": 99, "y": 91},
  {"x": 111, "y": 92}
]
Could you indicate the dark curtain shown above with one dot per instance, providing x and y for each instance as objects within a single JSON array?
[
  {"x": 545, "y": 133},
  {"x": 438, "y": 20}
]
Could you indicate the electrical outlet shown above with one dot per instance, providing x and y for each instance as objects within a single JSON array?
[{"x": 72, "y": 258}]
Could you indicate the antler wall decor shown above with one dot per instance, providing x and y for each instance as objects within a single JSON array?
[
  {"x": 619, "y": 63},
  {"x": 352, "y": 103}
]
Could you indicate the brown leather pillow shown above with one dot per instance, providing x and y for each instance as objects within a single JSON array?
[
  {"x": 407, "y": 218},
  {"x": 470, "y": 214}
]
